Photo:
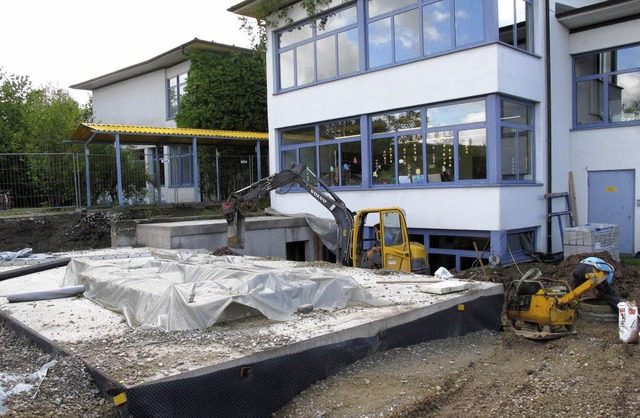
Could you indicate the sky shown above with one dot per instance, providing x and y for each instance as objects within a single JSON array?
[{"x": 66, "y": 42}]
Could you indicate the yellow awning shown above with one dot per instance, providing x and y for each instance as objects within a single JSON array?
[{"x": 148, "y": 135}]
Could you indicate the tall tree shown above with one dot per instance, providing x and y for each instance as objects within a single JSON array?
[
  {"x": 13, "y": 93},
  {"x": 225, "y": 91}
]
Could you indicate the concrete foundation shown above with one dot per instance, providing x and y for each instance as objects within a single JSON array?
[
  {"x": 265, "y": 236},
  {"x": 247, "y": 368}
]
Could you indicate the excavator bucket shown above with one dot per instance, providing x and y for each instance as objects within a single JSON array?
[{"x": 235, "y": 225}]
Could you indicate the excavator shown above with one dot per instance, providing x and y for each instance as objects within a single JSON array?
[
  {"x": 353, "y": 241},
  {"x": 541, "y": 308}
]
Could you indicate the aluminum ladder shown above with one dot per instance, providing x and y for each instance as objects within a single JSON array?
[{"x": 568, "y": 212}]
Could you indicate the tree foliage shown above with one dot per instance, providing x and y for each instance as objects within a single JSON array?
[
  {"x": 271, "y": 14},
  {"x": 225, "y": 91}
]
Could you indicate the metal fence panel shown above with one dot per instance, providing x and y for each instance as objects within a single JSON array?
[{"x": 38, "y": 181}]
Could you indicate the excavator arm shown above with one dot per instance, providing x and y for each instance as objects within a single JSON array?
[{"x": 295, "y": 175}]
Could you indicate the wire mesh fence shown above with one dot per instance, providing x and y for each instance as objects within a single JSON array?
[{"x": 42, "y": 181}]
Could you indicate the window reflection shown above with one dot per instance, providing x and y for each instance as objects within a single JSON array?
[
  {"x": 469, "y": 21},
  {"x": 326, "y": 53},
  {"x": 348, "y": 52},
  {"x": 624, "y": 97},
  {"x": 310, "y": 53},
  {"x": 379, "y": 43},
  {"x": 456, "y": 114},
  {"x": 407, "y": 35},
  {"x": 440, "y": 158},
  {"x": 437, "y": 27},
  {"x": 379, "y": 7},
  {"x": 607, "y": 87},
  {"x": 472, "y": 152}
]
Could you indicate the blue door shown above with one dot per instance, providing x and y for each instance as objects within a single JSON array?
[{"x": 611, "y": 201}]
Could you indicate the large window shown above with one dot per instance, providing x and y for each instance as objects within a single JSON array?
[
  {"x": 180, "y": 158},
  {"x": 607, "y": 87},
  {"x": 450, "y": 146},
  {"x": 517, "y": 141},
  {"x": 331, "y": 150},
  {"x": 432, "y": 145},
  {"x": 374, "y": 34},
  {"x": 516, "y": 23},
  {"x": 176, "y": 88},
  {"x": 403, "y": 30},
  {"x": 321, "y": 50}
]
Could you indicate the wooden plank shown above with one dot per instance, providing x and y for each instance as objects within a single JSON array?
[{"x": 572, "y": 196}]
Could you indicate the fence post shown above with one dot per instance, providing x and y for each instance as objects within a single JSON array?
[
  {"x": 87, "y": 173},
  {"x": 119, "y": 170},
  {"x": 217, "y": 174},
  {"x": 196, "y": 179}
]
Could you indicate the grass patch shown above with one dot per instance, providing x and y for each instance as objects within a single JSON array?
[{"x": 630, "y": 261}]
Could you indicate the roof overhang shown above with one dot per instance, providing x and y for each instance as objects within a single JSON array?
[
  {"x": 597, "y": 14},
  {"x": 92, "y": 133},
  {"x": 252, "y": 8},
  {"x": 165, "y": 60}
]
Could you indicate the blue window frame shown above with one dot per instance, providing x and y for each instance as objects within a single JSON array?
[
  {"x": 181, "y": 166},
  {"x": 478, "y": 141},
  {"x": 176, "y": 89},
  {"x": 515, "y": 25},
  {"x": 399, "y": 31},
  {"x": 517, "y": 141},
  {"x": 372, "y": 34},
  {"x": 605, "y": 87},
  {"x": 325, "y": 49},
  {"x": 432, "y": 144},
  {"x": 331, "y": 150}
]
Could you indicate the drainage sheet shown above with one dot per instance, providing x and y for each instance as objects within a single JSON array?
[{"x": 180, "y": 291}]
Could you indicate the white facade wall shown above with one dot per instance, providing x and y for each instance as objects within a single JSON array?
[
  {"x": 610, "y": 148},
  {"x": 478, "y": 71}
]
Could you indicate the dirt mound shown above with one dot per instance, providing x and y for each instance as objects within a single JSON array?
[{"x": 626, "y": 282}]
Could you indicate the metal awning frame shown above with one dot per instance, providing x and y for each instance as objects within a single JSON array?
[{"x": 129, "y": 135}]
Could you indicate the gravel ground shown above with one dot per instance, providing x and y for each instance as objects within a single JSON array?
[{"x": 484, "y": 374}]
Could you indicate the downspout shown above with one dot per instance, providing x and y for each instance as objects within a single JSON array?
[{"x": 549, "y": 130}]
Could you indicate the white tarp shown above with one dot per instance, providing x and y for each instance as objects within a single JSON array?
[{"x": 181, "y": 291}]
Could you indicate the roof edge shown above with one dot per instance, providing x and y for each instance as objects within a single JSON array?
[{"x": 147, "y": 66}]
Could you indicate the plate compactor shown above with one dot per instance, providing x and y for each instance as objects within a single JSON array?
[{"x": 541, "y": 308}]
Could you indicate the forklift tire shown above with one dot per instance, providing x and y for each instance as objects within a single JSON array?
[{"x": 596, "y": 310}]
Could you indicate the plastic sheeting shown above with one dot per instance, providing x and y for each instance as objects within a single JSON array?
[{"x": 180, "y": 291}]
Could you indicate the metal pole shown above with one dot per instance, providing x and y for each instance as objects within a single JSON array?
[
  {"x": 196, "y": 177},
  {"x": 259, "y": 160},
  {"x": 119, "y": 171},
  {"x": 87, "y": 174},
  {"x": 217, "y": 174},
  {"x": 157, "y": 170}
]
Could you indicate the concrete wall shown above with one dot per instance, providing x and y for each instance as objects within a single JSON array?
[{"x": 264, "y": 236}]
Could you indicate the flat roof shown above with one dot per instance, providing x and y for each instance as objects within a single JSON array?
[
  {"x": 166, "y": 59},
  {"x": 148, "y": 135}
]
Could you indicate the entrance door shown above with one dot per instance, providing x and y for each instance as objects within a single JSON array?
[{"x": 611, "y": 198}]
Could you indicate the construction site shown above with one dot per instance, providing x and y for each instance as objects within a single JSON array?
[{"x": 164, "y": 319}]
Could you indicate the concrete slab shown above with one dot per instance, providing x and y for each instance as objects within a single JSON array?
[
  {"x": 250, "y": 367},
  {"x": 448, "y": 286}
]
